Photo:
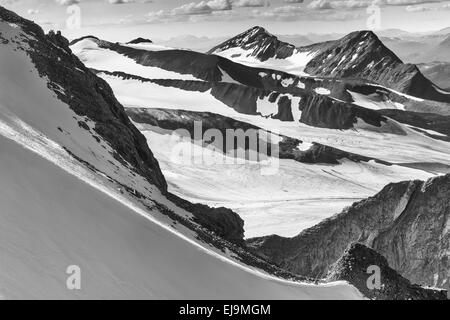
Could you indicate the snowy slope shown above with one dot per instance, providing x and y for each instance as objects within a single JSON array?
[
  {"x": 51, "y": 220},
  {"x": 58, "y": 211},
  {"x": 294, "y": 64}
]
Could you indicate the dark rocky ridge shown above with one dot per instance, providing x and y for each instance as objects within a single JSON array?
[
  {"x": 353, "y": 265},
  {"x": 321, "y": 111},
  {"x": 406, "y": 222}
]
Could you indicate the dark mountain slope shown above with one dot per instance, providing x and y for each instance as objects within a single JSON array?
[{"x": 438, "y": 72}]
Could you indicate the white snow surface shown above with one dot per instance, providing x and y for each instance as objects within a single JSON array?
[
  {"x": 294, "y": 64},
  {"x": 98, "y": 58},
  {"x": 57, "y": 213}
]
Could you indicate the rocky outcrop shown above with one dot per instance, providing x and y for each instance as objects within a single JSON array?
[
  {"x": 355, "y": 267},
  {"x": 324, "y": 112},
  {"x": 407, "y": 222},
  {"x": 222, "y": 221}
]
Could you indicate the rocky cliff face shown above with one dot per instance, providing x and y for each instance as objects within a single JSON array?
[
  {"x": 406, "y": 222},
  {"x": 354, "y": 265}
]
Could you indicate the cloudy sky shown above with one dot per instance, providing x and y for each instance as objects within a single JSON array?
[{"x": 121, "y": 19}]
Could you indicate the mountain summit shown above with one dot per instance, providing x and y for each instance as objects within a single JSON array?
[
  {"x": 259, "y": 43},
  {"x": 139, "y": 41}
]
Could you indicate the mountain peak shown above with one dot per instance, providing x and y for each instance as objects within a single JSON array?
[
  {"x": 257, "y": 42},
  {"x": 257, "y": 30},
  {"x": 139, "y": 40},
  {"x": 251, "y": 35},
  {"x": 364, "y": 35}
]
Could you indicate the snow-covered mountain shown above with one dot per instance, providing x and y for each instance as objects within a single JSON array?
[
  {"x": 79, "y": 186},
  {"x": 257, "y": 43},
  {"x": 89, "y": 176},
  {"x": 359, "y": 55},
  {"x": 299, "y": 108}
]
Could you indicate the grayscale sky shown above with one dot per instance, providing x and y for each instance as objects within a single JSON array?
[{"x": 121, "y": 19}]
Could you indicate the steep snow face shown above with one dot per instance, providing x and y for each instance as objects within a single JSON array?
[
  {"x": 58, "y": 212},
  {"x": 51, "y": 220},
  {"x": 98, "y": 58}
]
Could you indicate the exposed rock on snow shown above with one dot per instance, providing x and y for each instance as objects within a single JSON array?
[{"x": 353, "y": 267}]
